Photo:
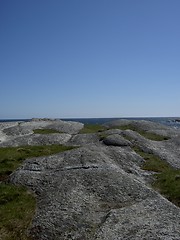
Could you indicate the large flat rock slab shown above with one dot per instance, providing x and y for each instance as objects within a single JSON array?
[
  {"x": 86, "y": 194},
  {"x": 37, "y": 140},
  {"x": 152, "y": 218}
]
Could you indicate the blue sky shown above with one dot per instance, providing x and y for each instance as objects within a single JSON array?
[{"x": 89, "y": 58}]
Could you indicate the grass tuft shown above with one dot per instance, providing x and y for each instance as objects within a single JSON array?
[
  {"x": 45, "y": 131},
  {"x": 167, "y": 179},
  {"x": 146, "y": 134},
  {"x": 92, "y": 128},
  {"x": 96, "y": 128},
  {"x": 17, "y": 208},
  {"x": 169, "y": 184},
  {"x": 153, "y": 162},
  {"x": 102, "y": 136}
]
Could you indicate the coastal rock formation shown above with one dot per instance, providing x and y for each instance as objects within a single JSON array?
[
  {"x": 97, "y": 191},
  {"x": 21, "y": 133},
  {"x": 116, "y": 140}
]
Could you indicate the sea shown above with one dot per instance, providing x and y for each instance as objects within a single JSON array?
[{"x": 168, "y": 121}]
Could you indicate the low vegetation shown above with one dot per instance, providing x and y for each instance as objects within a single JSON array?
[
  {"x": 96, "y": 128},
  {"x": 12, "y": 157},
  {"x": 102, "y": 136},
  {"x": 45, "y": 131},
  {"x": 127, "y": 137},
  {"x": 153, "y": 162},
  {"x": 17, "y": 204},
  {"x": 92, "y": 128},
  {"x": 169, "y": 184},
  {"x": 17, "y": 207},
  {"x": 167, "y": 179},
  {"x": 146, "y": 134}
]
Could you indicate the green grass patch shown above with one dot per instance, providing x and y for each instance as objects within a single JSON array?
[
  {"x": 153, "y": 162},
  {"x": 17, "y": 205},
  {"x": 127, "y": 137},
  {"x": 45, "y": 131},
  {"x": 96, "y": 128},
  {"x": 102, "y": 136},
  {"x": 12, "y": 157},
  {"x": 146, "y": 134},
  {"x": 126, "y": 127},
  {"x": 92, "y": 128},
  {"x": 153, "y": 136},
  {"x": 167, "y": 179},
  {"x": 168, "y": 182}
]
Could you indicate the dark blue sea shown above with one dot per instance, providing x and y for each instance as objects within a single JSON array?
[{"x": 168, "y": 121}]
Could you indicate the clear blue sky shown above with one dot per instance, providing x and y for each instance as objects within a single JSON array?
[{"x": 89, "y": 58}]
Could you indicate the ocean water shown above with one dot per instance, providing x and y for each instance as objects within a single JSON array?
[{"x": 168, "y": 121}]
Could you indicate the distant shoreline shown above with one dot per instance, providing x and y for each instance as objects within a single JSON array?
[{"x": 168, "y": 121}]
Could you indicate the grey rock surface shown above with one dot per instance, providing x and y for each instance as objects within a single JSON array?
[
  {"x": 168, "y": 150},
  {"x": 97, "y": 191},
  {"x": 21, "y": 133},
  {"x": 84, "y": 139},
  {"x": 146, "y": 126},
  {"x": 37, "y": 140},
  {"x": 116, "y": 140}
]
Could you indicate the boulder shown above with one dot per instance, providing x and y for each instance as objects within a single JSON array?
[{"x": 116, "y": 140}]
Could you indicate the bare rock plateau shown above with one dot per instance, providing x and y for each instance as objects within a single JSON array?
[{"x": 98, "y": 190}]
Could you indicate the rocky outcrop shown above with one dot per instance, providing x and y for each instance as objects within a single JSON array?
[
  {"x": 116, "y": 140},
  {"x": 98, "y": 190},
  {"x": 37, "y": 140},
  {"x": 21, "y": 133}
]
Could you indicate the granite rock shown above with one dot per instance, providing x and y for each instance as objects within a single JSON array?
[
  {"x": 97, "y": 191},
  {"x": 116, "y": 140}
]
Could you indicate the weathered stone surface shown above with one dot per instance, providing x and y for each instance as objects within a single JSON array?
[
  {"x": 116, "y": 140},
  {"x": 21, "y": 133},
  {"x": 141, "y": 124},
  {"x": 37, "y": 140},
  {"x": 17, "y": 131},
  {"x": 146, "y": 126},
  {"x": 4, "y": 125},
  {"x": 152, "y": 218},
  {"x": 96, "y": 191},
  {"x": 66, "y": 127},
  {"x": 84, "y": 139},
  {"x": 76, "y": 190},
  {"x": 168, "y": 150}
]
